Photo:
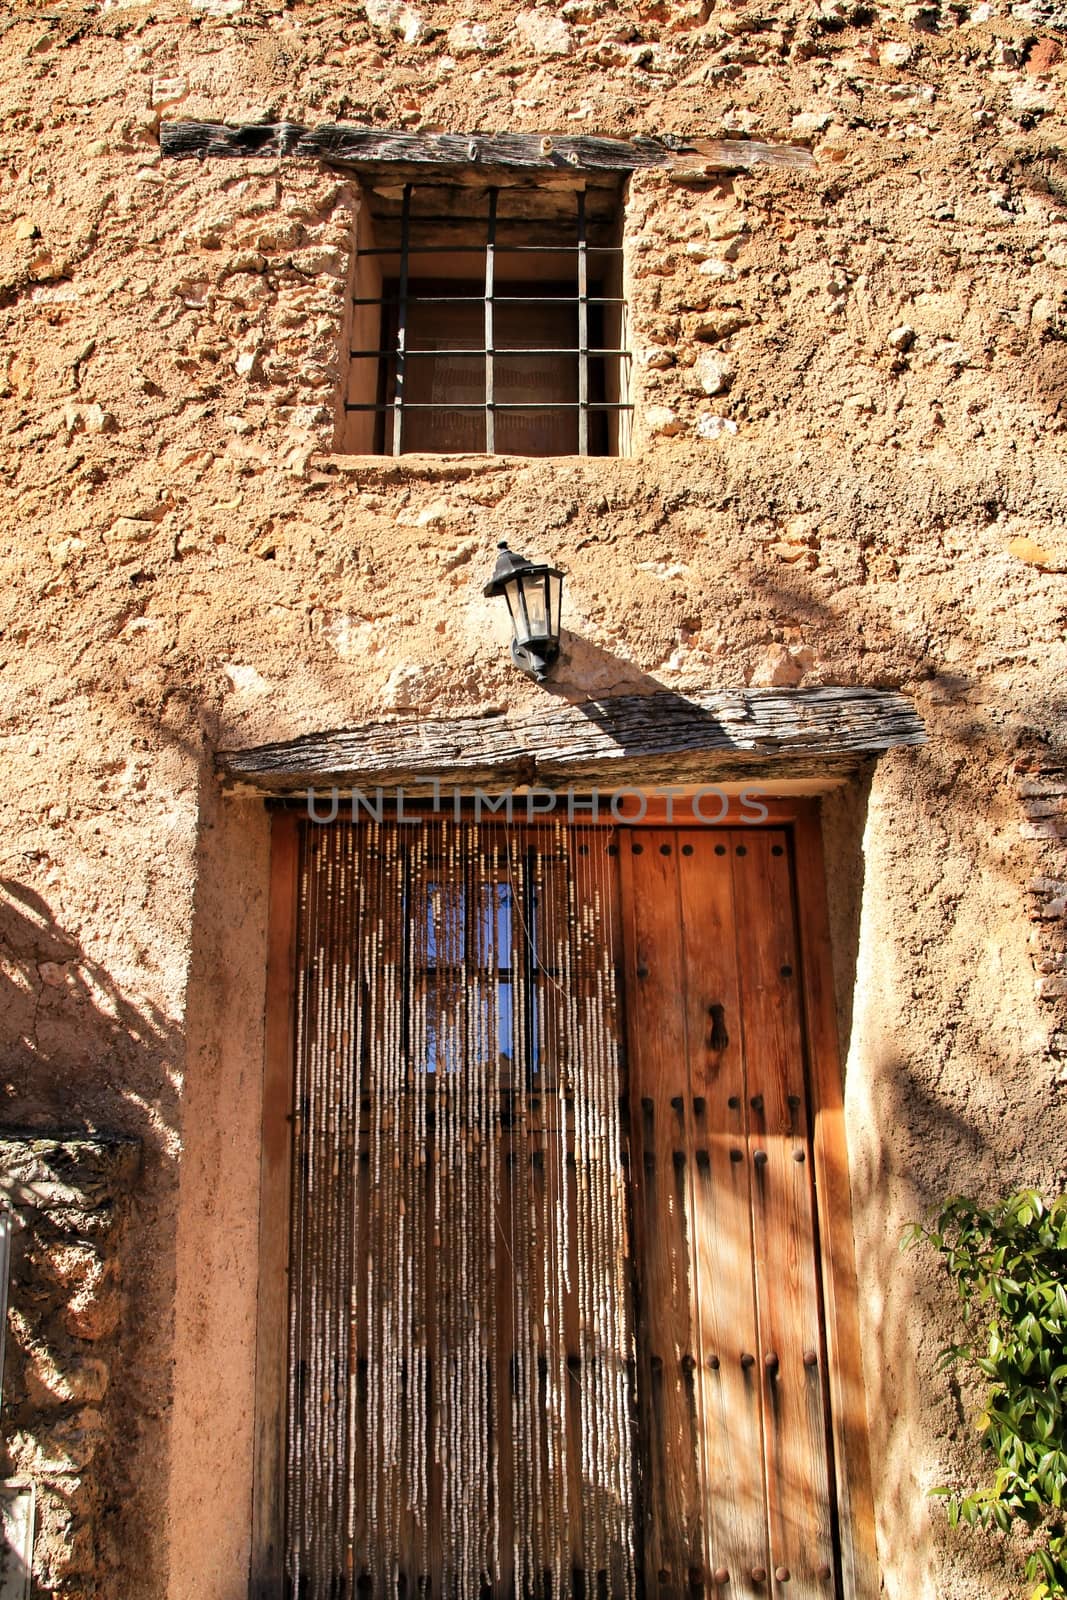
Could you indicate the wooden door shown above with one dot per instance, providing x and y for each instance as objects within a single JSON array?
[
  {"x": 731, "y": 1353},
  {"x": 547, "y": 1111}
]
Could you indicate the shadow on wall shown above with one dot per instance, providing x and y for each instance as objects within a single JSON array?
[
  {"x": 595, "y": 676},
  {"x": 844, "y": 818},
  {"x": 63, "y": 1008},
  {"x": 82, "y": 1059},
  {"x": 922, "y": 1424},
  {"x": 14, "y": 1572}
]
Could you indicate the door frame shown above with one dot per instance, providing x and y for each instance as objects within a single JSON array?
[{"x": 848, "y": 1407}]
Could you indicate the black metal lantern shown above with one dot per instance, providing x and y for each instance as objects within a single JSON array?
[{"x": 534, "y": 593}]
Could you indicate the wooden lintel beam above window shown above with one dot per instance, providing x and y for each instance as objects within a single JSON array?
[
  {"x": 385, "y": 149},
  {"x": 745, "y": 734}
]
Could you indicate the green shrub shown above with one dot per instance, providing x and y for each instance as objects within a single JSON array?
[{"x": 1009, "y": 1265}]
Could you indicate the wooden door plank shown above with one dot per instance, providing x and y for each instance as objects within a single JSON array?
[
  {"x": 792, "y": 1358},
  {"x": 673, "y": 1524},
  {"x": 722, "y": 1222},
  {"x": 855, "y": 1501},
  {"x": 268, "y": 1505}
]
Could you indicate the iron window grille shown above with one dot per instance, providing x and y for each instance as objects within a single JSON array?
[{"x": 490, "y": 320}]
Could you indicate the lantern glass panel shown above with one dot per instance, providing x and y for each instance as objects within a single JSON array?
[
  {"x": 514, "y": 597},
  {"x": 535, "y": 589},
  {"x": 555, "y": 590}
]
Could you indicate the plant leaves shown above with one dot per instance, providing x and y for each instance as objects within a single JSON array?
[{"x": 1008, "y": 1264}]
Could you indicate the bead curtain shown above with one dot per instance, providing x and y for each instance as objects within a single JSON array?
[{"x": 460, "y": 1414}]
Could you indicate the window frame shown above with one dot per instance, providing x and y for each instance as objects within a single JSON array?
[{"x": 603, "y": 369}]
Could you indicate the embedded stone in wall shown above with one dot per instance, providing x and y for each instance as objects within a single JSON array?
[
  {"x": 714, "y": 373},
  {"x": 544, "y": 32},
  {"x": 662, "y": 420},
  {"x": 17, "y": 1517},
  {"x": 395, "y": 20},
  {"x": 69, "y": 1197},
  {"x": 468, "y": 38}
]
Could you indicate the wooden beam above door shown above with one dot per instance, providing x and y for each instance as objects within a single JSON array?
[
  {"x": 419, "y": 155},
  {"x": 811, "y": 738}
]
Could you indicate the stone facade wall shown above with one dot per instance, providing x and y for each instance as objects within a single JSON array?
[
  {"x": 63, "y": 1414},
  {"x": 851, "y": 390}
]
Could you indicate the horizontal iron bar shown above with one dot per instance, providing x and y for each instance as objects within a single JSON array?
[
  {"x": 479, "y": 300},
  {"x": 500, "y": 249},
  {"x": 499, "y": 405},
  {"x": 462, "y": 220},
  {"x": 424, "y": 250},
  {"x": 498, "y": 350}
]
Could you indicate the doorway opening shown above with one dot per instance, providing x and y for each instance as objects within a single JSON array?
[{"x": 565, "y": 1286}]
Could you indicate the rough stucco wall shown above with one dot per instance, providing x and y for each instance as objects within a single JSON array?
[
  {"x": 208, "y": 1503},
  {"x": 184, "y": 566},
  {"x": 95, "y": 925},
  {"x": 942, "y": 1080}
]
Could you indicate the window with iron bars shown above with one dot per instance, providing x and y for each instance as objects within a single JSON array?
[{"x": 488, "y": 319}]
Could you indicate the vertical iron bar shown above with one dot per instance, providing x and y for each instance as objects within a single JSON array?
[
  {"x": 490, "y": 263},
  {"x": 6, "y": 1221},
  {"x": 529, "y": 962},
  {"x": 401, "y": 322},
  {"x": 583, "y": 330}
]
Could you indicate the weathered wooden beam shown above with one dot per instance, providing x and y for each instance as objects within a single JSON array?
[
  {"x": 662, "y": 737},
  {"x": 348, "y": 144}
]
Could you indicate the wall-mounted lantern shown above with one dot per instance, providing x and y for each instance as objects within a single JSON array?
[{"x": 534, "y": 593}]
